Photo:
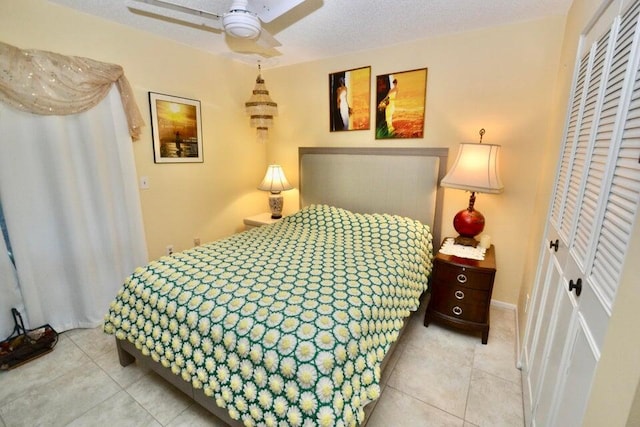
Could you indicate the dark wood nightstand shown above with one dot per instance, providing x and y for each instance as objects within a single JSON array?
[{"x": 461, "y": 292}]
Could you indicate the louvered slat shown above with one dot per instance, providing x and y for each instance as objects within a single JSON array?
[
  {"x": 585, "y": 232},
  {"x": 622, "y": 203},
  {"x": 590, "y": 119},
  {"x": 561, "y": 179}
]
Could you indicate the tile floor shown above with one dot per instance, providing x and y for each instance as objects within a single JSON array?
[{"x": 437, "y": 378}]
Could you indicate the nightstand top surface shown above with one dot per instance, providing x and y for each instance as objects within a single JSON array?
[
  {"x": 489, "y": 262},
  {"x": 260, "y": 219}
]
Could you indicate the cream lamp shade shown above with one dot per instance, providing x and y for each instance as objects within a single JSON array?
[
  {"x": 475, "y": 170},
  {"x": 275, "y": 182}
]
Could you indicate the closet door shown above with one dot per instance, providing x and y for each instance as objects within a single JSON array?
[{"x": 594, "y": 207}]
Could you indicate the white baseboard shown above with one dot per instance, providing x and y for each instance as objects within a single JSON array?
[{"x": 505, "y": 305}]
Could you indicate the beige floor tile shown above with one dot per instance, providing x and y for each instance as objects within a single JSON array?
[
  {"x": 503, "y": 317},
  {"x": 64, "y": 358},
  {"x": 60, "y": 401},
  {"x": 393, "y": 361},
  {"x": 493, "y": 401},
  {"x": 119, "y": 410},
  {"x": 196, "y": 416},
  {"x": 92, "y": 341},
  {"x": 498, "y": 356},
  {"x": 157, "y": 396},
  {"x": 123, "y": 375},
  {"x": 436, "y": 377},
  {"x": 446, "y": 340},
  {"x": 398, "y": 409}
]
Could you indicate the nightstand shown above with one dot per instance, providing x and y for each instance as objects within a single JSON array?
[
  {"x": 259, "y": 220},
  {"x": 461, "y": 292}
]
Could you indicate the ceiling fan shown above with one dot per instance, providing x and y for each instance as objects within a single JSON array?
[{"x": 243, "y": 20}]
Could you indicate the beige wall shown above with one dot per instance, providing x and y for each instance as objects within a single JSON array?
[
  {"x": 502, "y": 79},
  {"x": 206, "y": 200}
]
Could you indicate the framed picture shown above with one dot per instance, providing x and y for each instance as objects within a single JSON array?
[
  {"x": 400, "y": 103},
  {"x": 350, "y": 99},
  {"x": 176, "y": 129}
]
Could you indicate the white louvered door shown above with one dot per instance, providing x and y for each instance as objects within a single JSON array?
[{"x": 594, "y": 206}]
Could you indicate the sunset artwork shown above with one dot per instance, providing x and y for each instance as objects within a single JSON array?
[
  {"x": 400, "y": 104},
  {"x": 349, "y": 99},
  {"x": 176, "y": 129}
]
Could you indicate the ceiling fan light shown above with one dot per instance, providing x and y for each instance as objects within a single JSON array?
[{"x": 242, "y": 24}]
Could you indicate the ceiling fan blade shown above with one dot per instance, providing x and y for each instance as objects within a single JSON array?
[
  {"x": 266, "y": 40},
  {"x": 249, "y": 49},
  {"x": 268, "y": 10},
  {"x": 176, "y": 12}
]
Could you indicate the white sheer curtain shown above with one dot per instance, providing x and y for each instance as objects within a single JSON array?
[
  {"x": 68, "y": 189},
  {"x": 9, "y": 290}
]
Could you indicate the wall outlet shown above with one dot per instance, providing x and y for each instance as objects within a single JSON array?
[
  {"x": 196, "y": 241},
  {"x": 169, "y": 249},
  {"x": 144, "y": 182}
]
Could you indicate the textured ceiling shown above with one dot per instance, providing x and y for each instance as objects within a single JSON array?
[{"x": 318, "y": 29}]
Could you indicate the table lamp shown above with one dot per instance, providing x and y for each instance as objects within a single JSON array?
[
  {"x": 475, "y": 170},
  {"x": 275, "y": 182}
]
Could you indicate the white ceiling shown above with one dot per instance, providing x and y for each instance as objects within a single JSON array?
[{"x": 318, "y": 29}]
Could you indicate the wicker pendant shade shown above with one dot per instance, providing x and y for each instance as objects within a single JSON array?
[{"x": 261, "y": 108}]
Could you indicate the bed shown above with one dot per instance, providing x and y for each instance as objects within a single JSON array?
[{"x": 291, "y": 323}]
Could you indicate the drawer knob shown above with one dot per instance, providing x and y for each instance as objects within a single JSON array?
[
  {"x": 459, "y": 294},
  {"x": 462, "y": 278},
  {"x": 457, "y": 310}
]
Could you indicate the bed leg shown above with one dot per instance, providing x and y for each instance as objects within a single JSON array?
[{"x": 124, "y": 357}]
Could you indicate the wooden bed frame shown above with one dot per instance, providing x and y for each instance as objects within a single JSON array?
[{"x": 402, "y": 181}]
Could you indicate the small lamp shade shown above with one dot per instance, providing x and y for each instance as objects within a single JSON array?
[
  {"x": 275, "y": 182},
  {"x": 475, "y": 170}
]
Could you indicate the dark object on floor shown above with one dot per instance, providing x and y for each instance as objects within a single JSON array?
[{"x": 23, "y": 345}]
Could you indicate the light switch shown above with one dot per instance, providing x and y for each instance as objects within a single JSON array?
[{"x": 144, "y": 182}]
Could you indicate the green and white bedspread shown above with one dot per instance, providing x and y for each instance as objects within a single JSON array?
[{"x": 283, "y": 324}]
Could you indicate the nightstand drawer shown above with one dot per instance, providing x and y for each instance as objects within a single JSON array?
[
  {"x": 460, "y": 302},
  {"x": 461, "y": 292},
  {"x": 463, "y": 276}
]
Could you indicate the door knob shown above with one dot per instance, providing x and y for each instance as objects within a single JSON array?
[
  {"x": 554, "y": 245},
  {"x": 577, "y": 285}
]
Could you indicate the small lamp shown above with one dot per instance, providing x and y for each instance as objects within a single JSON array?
[
  {"x": 475, "y": 170},
  {"x": 275, "y": 182}
]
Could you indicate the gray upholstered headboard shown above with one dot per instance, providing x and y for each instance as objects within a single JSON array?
[{"x": 401, "y": 181}]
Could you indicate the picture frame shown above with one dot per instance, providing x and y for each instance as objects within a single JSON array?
[
  {"x": 350, "y": 100},
  {"x": 176, "y": 129},
  {"x": 400, "y": 104}
]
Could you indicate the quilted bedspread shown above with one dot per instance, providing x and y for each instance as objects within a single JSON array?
[{"x": 283, "y": 324}]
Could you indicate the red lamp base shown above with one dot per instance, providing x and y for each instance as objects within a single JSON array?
[{"x": 468, "y": 223}]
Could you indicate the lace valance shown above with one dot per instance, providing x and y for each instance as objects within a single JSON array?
[{"x": 48, "y": 83}]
